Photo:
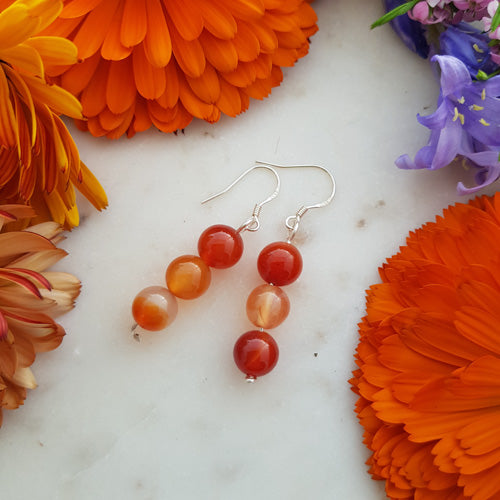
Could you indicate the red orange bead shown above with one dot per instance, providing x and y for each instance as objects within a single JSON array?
[
  {"x": 279, "y": 263},
  {"x": 267, "y": 306},
  {"x": 154, "y": 308},
  {"x": 188, "y": 277},
  {"x": 220, "y": 246},
  {"x": 255, "y": 353}
]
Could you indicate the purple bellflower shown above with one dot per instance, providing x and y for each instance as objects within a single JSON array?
[
  {"x": 411, "y": 32},
  {"x": 466, "y": 124},
  {"x": 470, "y": 45}
]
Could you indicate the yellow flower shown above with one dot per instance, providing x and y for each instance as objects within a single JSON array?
[
  {"x": 163, "y": 62},
  {"x": 30, "y": 299},
  {"x": 39, "y": 161}
]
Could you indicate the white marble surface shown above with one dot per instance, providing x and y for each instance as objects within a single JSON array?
[{"x": 171, "y": 417}]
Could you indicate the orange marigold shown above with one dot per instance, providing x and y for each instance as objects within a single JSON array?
[
  {"x": 163, "y": 62},
  {"x": 429, "y": 360},
  {"x": 30, "y": 299},
  {"x": 39, "y": 162}
]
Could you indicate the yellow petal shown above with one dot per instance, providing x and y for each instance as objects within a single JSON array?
[
  {"x": 8, "y": 124},
  {"x": 45, "y": 11},
  {"x": 59, "y": 100},
  {"x": 59, "y": 211},
  {"x": 90, "y": 187},
  {"x": 25, "y": 96},
  {"x": 16, "y": 25},
  {"x": 54, "y": 50},
  {"x": 25, "y": 58}
]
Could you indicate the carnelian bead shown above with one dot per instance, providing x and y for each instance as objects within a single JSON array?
[
  {"x": 154, "y": 308},
  {"x": 255, "y": 354},
  {"x": 220, "y": 246},
  {"x": 279, "y": 263},
  {"x": 267, "y": 306},
  {"x": 188, "y": 277}
]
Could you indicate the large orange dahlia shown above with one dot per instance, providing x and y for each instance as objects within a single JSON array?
[
  {"x": 163, "y": 62},
  {"x": 39, "y": 161},
  {"x": 30, "y": 299},
  {"x": 429, "y": 360}
]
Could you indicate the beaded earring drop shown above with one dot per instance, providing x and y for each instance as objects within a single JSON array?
[
  {"x": 279, "y": 264},
  {"x": 188, "y": 276}
]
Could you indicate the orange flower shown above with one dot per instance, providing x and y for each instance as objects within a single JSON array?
[
  {"x": 429, "y": 360},
  {"x": 163, "y": 62},
  {"x": 39, "y": 162},
  {"x": 30, "y": 299}
]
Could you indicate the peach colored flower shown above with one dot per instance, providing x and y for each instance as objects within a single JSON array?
[
  {"x": 429, "y": 360},
  {"x": 30, "y": 299},
  {"x": 163, "y": 62},
  {"x": 39, "y": 161}
]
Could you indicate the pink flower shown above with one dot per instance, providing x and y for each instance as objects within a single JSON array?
[
  {"x": 428, "y": 12},
  {"x": 491, "y": 9}
]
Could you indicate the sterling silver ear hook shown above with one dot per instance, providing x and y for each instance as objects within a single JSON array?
[
  {"x": 292, "y": 222},
  {"x": 253, "y": 222},
  {"x": 279, "y": 264},
  {"x": 188, "y": 276}
]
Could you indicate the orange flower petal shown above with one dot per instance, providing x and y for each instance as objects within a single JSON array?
[
  {"x": 112, "y": 47},
  {"x": 244, "y": 42},
  {"x": 149, "y": 80},
  {"x": 121, "y": 89},
  {"x": 207, "y": 86},
  {"x": 157, "y": 44},
  {"x": 189, "y": 54},
  {"x": 93, "y": 30},
  {"x": 188, "y": 26},
  {"x": 134, "y": 24},
  {"x": 221, "y": 54}
]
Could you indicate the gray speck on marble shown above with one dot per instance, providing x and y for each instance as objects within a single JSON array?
[{"x": 361, "y": 223}]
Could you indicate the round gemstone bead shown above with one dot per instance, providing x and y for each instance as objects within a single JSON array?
[
  {"x": 154, "y": 308},
  {"x": 267, "y": 306},
  {"x": 220, "y": 246},
  {"x": 188, "y": 277},
  {"x": 279, "y": 263},
  {"x": 255, "y": 353}
]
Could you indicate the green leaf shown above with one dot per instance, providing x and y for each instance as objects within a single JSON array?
[
  {"x": 495, "y": 22},
  {"x": 398, "y": 11}
]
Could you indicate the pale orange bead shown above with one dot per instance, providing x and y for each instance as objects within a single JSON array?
[
  {"x": 154, "y": 308},
  {"x": 188, "y": 277},
  {"x": 267, "y": 306}
]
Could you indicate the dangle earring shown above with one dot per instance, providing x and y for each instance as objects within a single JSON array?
[
  {"x": 279, "y": 264},
  {"x": 188, "y": 276}
]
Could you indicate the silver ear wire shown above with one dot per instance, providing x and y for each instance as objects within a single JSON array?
[
  {"x": 253, "y": 222},
  {"x": 292, "y": 221}
]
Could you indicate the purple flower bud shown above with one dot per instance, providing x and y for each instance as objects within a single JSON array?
[{"x": 411, "y": 32}]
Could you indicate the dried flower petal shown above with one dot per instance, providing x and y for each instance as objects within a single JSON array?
[{"x": 30, "y": 299}]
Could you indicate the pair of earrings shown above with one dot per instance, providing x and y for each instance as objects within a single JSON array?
[{"x": 220, "y": 247}]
